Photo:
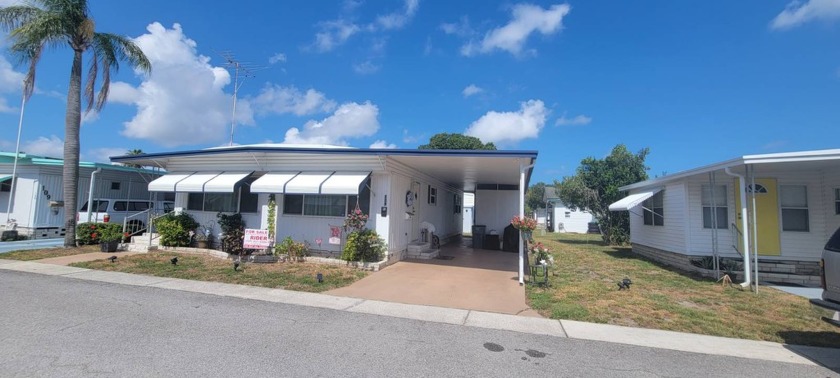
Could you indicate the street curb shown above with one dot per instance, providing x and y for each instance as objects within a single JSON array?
[{"x": 686, "y": 342}]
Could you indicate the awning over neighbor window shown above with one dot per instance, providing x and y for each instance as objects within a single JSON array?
[
  {"x": 167, "y": 182},
  {"x": 272, "y": 182},
  {"x": 348, "y": 183},
  {"x": 3, "y": 178},
  {"x": 633, "y": 200},
  {"x": 344, "y": 183},
  {"x": 225, "y": 182}
]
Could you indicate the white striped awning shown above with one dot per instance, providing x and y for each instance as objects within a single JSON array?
[
  {"x": 307, "y": 183},
  {"x": 195, "y": 183},
  {"x": 272, "y": 182},
  {"x": 344, "y": 183},
  {"x": 166, "y": 183},
  {"x": 225, "y": 182},
  {"x": 633, "y": 200}
]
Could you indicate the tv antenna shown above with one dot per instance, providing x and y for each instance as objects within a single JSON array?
[{"x": 241, "y": 72}]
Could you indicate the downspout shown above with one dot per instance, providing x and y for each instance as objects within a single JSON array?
[
  {"x": 522, "y": 169},
  {"x": 745, "y": 240},
  {"x": 90, "y": 192}
]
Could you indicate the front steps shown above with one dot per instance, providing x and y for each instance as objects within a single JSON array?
[
  {"x": 140, "y": 243},
  {"x": 421, "y": 251}
]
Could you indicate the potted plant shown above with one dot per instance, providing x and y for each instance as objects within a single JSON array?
[
  {"x": 203, "y": 237},
  {"x": 110, "y": 237},
  {"x": 525, "y": 225}
]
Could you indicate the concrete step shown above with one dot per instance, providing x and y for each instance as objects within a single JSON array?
[
  {"x": 417, "y": 247},
  {"x": 426, "y": 254}
]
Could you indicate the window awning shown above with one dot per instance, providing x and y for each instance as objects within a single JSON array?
[
  {"x": 5, "y": 177},
  {"x": 195, "y": 183},
  {"x": 344, "y": 183},
  {"x": 633, "y": 200},
  {"x": 306, "y": 183},
  {"x": 272, "y": 182},
  {"x": 166, "y": 183},
  {"x": 225, "y": 182}
]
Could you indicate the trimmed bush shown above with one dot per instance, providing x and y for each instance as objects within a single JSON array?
[
  {"x": 295, "y": 250},
  {"x": 233, "y": 230},
  {"x": 364, "y": 245},
  {"x": 96, "y": 232},
  {"x": 174, "y": 230}
]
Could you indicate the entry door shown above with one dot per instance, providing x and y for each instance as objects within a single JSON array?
[{"x": 767, "y": 215}]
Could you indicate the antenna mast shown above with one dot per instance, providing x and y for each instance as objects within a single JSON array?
[{"x": 243, "y": 71}]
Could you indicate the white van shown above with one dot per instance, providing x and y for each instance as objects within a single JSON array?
[{"x": 117, "y": 210}]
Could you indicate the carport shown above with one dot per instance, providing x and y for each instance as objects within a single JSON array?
[{"x": 465, "y": 278}]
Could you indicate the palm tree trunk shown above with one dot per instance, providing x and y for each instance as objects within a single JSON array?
[{"x": 72, "y": 122}]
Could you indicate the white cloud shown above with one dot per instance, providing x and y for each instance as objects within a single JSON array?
[
  {"x": 51, "y": 146},
  {"x": 333, "y": 34},
  {"x": 576, "y": 120},
  {"x": 398, "y": 20},
  {"x": 461, "y": 28},
  {"x": 471, "y": 89},
  {"x": 383, "y": 144},
  {"x": 365, "y": 68},
  {"x": 527, "y": 19},
  {"x": 797, "y": 13},
  {"x": 350, "y": 120},
  {"x": 510, "y": 127},
  {"x": 278, "y": 99},
  {"x": 11, "y": 82},
  {"x": 277, "y": 58},
  {"x": 183, "y": 101},
  {"x": 6, "y": 3}
]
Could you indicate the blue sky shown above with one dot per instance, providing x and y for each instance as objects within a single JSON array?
[{"x": 696, "y": 82}]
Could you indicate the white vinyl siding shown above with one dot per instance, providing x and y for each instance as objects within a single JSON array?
[{"x": 672, "y": 235}]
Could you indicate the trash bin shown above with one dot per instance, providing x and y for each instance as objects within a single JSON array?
[{"x": 478, "y": 232}]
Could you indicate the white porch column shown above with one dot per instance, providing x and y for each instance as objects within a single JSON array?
[{"x": 522, "y": 169}]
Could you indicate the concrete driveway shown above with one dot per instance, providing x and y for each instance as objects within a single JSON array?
[{"x": 472, "y": 280}]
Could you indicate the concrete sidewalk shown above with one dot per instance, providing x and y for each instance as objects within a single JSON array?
[{"x": 713, "y": 345}]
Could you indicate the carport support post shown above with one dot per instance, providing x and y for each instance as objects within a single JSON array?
[{"x": 522, "y": 169}]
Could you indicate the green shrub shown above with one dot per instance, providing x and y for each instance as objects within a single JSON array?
[
  {"x": 97, "y": 232},
  {"x": 365, "y": 245},
  {"x": 295, "y": 250},
  {"x": 175, "y": 229},
  {"x": 233, "y": 230}
]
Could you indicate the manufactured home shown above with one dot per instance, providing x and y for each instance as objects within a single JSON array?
[
  {"x": 562, "y": 218},
  {"x": 779, "y": 207},
  {"x": 409, "y": 194},
  {"x": 37, "y": 208}
]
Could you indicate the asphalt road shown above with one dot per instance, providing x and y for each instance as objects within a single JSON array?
[{"x": 58, "y": 326}]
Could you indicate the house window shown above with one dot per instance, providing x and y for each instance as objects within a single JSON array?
[
  {"x": 241, "y": 200},
  {"x": 715, "y": 210},
  {"x": 432, "y": 195},
  {"x": 6, "y": 186},
  {"x": 654, "y": 210},
  {"x": 115, "y": 185},
  {"x": 568, "y": 214},
  {"x": 457, "y": 201},
  {"x": 324, "y": 205},
  {"x": 794, "y": 204},
  {"x": 836, "y": 201}
]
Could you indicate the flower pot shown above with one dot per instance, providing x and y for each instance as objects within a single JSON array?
[
  {"x": 109, "y": 246},
  {"x": 201, "y": 244}
]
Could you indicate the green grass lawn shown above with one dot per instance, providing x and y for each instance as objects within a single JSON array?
[
  {"x": 37, "y": 254},
  {"x": 583, "y": 286},
  {"x": 290, "y": 276}
]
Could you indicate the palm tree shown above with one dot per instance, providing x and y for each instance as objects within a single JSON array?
[
  {"x": 55, "y": 23},
  {"x": 134, "y": 152}
]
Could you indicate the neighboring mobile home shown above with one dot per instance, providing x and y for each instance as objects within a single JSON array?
[
  {"x": 790, "y": 207},
  {"x": 407, "y": 193},
  {"x": 561, "y": 218},
  {"x": 38, "y": 200}
]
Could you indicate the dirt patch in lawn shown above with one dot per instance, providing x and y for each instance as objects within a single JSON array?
[
  {"x": 291, "y": 276},
  {"x": 584, "y": 286}
]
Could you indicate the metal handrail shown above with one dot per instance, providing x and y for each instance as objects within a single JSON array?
[
  {"x": 741, "y": 234},
  {"x": 135, "y": 232}
]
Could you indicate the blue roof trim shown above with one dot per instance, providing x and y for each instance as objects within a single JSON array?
[{"x": 334, "y": 151}]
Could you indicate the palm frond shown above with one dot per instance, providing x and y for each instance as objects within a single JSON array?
[
  {"x": 13, "y": 17},
  {"x": 29, "y": 81},
  {"x": 109, "y": 50},
  {"x": 91, "y": 82}
]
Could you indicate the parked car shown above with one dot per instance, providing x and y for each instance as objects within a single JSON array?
[
  {"x": 117, "y": 210},
  {"x": 829, "y": 305}
]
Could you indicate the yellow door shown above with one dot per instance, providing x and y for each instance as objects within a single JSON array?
[{"x": 767, "y": 215}]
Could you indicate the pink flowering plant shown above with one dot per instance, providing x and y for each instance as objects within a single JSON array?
[
  {"x": 524, "y": 223},
  {"x": 355, "y": 221}
]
